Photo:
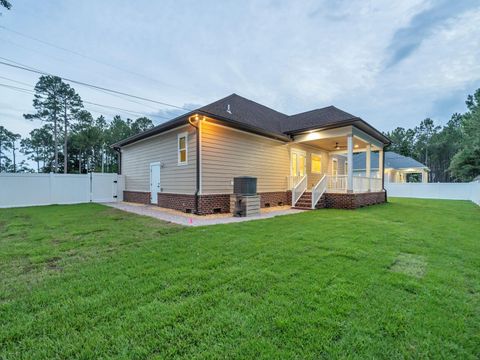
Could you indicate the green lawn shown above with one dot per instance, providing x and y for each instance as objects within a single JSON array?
[{"x": 400, "y": 280}]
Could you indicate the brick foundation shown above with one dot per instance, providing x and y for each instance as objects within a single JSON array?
[
  {"x": 136, "y": 197},
  {"x": 211, "y": 204},
  {"x": 185, "y": 203},
  {"x": 353, "y": 200},
  {"x": 277, "y": 198},
  {"x": 218, "y": 203}
]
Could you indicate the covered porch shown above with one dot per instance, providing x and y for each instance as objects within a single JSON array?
[{"x": 334, "y": 167}]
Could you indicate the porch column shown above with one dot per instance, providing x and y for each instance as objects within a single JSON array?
[
  {"x": 350, "y": 163},
  {"x": 380, "y": 167},
  {"x": 368, "y": 164},
  {"x": 424, "y": 176}
]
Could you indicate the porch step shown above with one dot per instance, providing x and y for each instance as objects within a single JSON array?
[{"x": 305, "y": 202}]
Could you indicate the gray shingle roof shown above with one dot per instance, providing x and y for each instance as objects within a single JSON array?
[
  {"x": 252, "y": 116},
  {"x": 247, "y": 112},
  {"x": 319, "y": 117},
  {"x": 392, "y": 160}
]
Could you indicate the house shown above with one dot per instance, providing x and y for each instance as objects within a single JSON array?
[
  {"x": 398, "y": 168},
  {"x": 304, "y": 160}
]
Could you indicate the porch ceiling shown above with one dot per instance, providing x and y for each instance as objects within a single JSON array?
[
  {"x": 328, "y": 138},
  {"x": 330, "y": 144}
]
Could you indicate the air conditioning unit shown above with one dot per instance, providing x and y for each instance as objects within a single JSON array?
[{"x": 244, "y": 201}]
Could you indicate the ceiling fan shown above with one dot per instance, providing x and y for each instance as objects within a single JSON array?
[{"x": 339, "y": 147}]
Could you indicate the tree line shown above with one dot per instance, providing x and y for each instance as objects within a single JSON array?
[
  {"x": 70, "y": 140},
  {"x": 452, "y": 151}
]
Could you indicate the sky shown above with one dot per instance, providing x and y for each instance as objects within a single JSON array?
[{"x": 392, "y": 63}]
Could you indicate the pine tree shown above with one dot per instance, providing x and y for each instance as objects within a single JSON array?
[
  {"x": 72, "y": 104},
  {"x": 54, "y": 101}
]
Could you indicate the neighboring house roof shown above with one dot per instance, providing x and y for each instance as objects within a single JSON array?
[
  {"x": 246, "y": 114},
  {"x": 392, "y": 161}
]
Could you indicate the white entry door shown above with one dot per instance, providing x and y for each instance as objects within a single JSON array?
[
  {"x": 299, "y": 163},
  {"x": 154, "y": 182}
]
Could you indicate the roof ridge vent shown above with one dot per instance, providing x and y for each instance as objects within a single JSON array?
[{"x": 228, "y": 109}]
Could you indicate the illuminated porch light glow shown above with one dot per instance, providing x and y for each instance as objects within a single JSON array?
[
  {"x": 311, "y": 136},
  {"x": 356, "y": 146}
]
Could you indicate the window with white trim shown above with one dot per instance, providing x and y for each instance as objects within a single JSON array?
[
  {"x": 316, "y": 164},
  {"x": 182, "y": 142}
]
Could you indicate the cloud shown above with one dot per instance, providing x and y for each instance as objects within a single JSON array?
[
  {"x": 407, "y": 39},
  {"x": 392, "y": 63}
]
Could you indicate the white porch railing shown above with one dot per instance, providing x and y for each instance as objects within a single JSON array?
[
  {"x": 360, "y": 183},
  {"x": 375, "y": 184},
  {"x": 293, "y": 180},
  {"x": 298, "y": 189},
  {"x": 318, "y": 190},
  {"x": 338, "y": 183}
]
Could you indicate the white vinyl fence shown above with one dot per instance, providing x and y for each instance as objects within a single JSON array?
[
  {"x": 45, "y": 189},
  {"x": 449, "y": 191}
]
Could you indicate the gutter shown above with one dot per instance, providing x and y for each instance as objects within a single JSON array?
[
  {"x": 242, "y": 126},
  {"x": 119, "y": 160},
  {"x": 197, "y": 160}
]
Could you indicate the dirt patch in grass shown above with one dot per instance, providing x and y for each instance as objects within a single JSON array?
[
  {"x": 52, "y": 263},
  {"x": 114, "y": 214},
  {"x": 409, "y": 264}
]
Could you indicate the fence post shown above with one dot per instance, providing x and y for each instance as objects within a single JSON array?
[
  {"x": 50, "y": 187},
  {"x": 91, "y": 186}
]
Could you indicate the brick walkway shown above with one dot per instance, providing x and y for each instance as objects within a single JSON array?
[{"x": 197, "y": 220}]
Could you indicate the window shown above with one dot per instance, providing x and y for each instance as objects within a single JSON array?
[
  {"x": 316, "y": 164},
  {"x": 182, "y": 148}
]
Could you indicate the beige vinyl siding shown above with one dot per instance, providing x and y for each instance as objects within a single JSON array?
[
  {"x": 227, "y": 153},
  {"x": 174, "y": 178}
]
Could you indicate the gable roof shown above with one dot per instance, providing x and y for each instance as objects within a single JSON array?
[
  {"x": 392, "y": 160},
  {"x": 249, "y": 115},
  {"x": 314, "y": 118},
  {"x": 245, "y": 111}
]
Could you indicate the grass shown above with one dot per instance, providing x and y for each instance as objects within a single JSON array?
[
  {"x": 410, "y": 264},
  {"x": 400, "y": 280}
]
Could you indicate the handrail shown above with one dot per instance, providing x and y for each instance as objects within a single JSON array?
[
  {"x": 298, "y": 189},
  {"x": 293, "y": 180},
  {"x": 318, "y": 190}
]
